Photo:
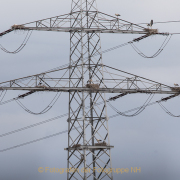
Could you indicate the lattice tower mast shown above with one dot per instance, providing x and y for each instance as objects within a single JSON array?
[
  {"x": 88, "y": 136},
  {"x": 93, "y": 121}
]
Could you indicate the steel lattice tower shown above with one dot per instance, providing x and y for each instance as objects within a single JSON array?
[
  {"x": 93, "y": 121},
  {"x": 88, "y": 136}
]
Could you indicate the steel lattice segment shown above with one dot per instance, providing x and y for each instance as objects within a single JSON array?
[
  {"x": 97, "y": 22},
  {"x": 114, "y": 81},
  {"x": 85, "y": 150},
  {"x": 87, "y": 79}
]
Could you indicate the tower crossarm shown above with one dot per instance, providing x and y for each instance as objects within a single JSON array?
[
  {"x": 98, "y": 22},
  {"x": 86, "y": 81},
  {"x": 114, "y": 81},
  {"x": 89, "y": 90}
]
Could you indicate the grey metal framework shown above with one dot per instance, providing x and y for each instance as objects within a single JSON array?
[{"x": 86, "y": 79}]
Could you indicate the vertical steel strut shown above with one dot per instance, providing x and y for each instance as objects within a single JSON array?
[{"x": 88, "y": 146}]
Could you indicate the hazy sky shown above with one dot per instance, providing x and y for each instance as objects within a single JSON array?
[{"x": 149, "y": 141}]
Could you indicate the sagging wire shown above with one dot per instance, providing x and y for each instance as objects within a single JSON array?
[
  {"x": 51, "y": 104},
  {"x": 28, "y": 35},
  {"x": 164, "y": 44},
  {"x": 37, "y": 140},
  {"x": 164, "y": 108},
  {"x": 141, "y": 109},
  {"x": 63, "y": 115},
  {"x": 52, "y": 119}
]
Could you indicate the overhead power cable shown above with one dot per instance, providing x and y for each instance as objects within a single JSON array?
[
  {"x": 164, "y": 108},
  {"x": 167, "y": 111},
  {"x": 141, "y": 109},
  {"x": 164, "y": 44},
  {"x": 28, "y": 35},
  {"x": 86, "y": 58},
  {"x": 33, "y": 141},
  {"x": 56, "y": 134},
  {"x": 58, "y": 117},
  {"x": 51, "y": 104},
  {"x": 117, "y": 47},
  {"x": 33, "y": 125},
  {"x": 105, "y": 51},
  {"x": 162, "y": 22},
  {"x": 175, "y": 33}
]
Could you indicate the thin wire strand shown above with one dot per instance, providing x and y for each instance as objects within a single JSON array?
[
  {"x": 51, "y": 104},
  {"x": 52, "y": 119},
  {"x": 33, "y": 141},
  {"x": 33, "y": 125},
  {"x": 28, "y": 35},
  {"x": 141, "y": 109},
  {"x": 55, "y": 118},
  {"x": 162, "y": 22},
  {"x": 167, "y": 111},
  {"x": 164, "y": 44},
  {"x": 56, "y": 134}
]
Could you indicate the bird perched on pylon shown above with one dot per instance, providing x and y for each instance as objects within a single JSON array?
[{"x": 150, "y": 24}]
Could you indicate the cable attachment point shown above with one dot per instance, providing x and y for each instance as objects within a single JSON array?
[
  {"x": 169, "y": 97},
  {"x": 116, "y": 97}
]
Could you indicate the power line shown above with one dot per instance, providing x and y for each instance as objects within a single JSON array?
[
  {"x": 68, "y": 64},
  {"x": 110, "y": 99},
  {"x": 164, "y": 44},
  {"x": 33, "y": 141},
  {"x": 162, "y": 22},
  {"x": 105, "y": 51},
  {"x": 86, "y": 58},
  {"x": 141, "y": 109},
  {"x": 167, "y": 111},
  {"x": 50, "y": 120},
  {"x": 51, "y": 104},
  {"x": 56, "y": 134},
  {"x": 28, "y": 35},
  {"x": 40, "y": 139},
  {"x": 33, "y": 125},
  {"x": 167, "y": 22},
  {"x": 175, "y": 33},
  {"x": 108, "y": 50}
]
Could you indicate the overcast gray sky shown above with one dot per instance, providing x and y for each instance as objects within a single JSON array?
[{"x": 149, "y": 141}]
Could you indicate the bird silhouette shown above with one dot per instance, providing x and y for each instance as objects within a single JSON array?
[
  {"x": 150, "y": 24},
  {"x": 117, "y": 14}
]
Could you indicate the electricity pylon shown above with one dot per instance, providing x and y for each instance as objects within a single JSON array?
[{"x": 88, "y": 136}]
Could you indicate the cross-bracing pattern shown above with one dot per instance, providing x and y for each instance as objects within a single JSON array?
[
  {"x": 114, "y": 81},
  {"x": 89, "y": 145},
  {"x": 86, "y": 79},
  {"x": 98, "y": 22}
]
